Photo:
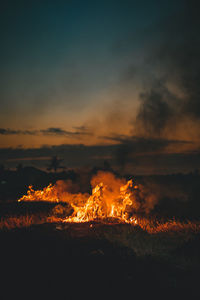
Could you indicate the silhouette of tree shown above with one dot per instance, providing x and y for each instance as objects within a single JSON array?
[
  {"x": 196, "y": 172},
  {"x": 55, "y": 164},
  {"x": 106, "y": 165},
  {"x": 2, "y": 168},
  {"x": 19, "y": 167}
]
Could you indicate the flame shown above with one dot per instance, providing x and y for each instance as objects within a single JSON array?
[
  {"x": 97, "y": 207},
  {"x": 49, "y": 193},
  {"x": 112, "y": 199},
  {"x": 116, "y": 201}
]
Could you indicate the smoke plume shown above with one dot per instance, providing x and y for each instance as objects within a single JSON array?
[{"x": 172, "y": 95}]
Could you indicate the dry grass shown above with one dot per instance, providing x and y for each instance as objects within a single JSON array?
[
  {"x": 148, "y": 237},
  {"x": 148, "y": 225},
  {"x": 13, "y": 222},
  {"x": 153, "y": 227}
]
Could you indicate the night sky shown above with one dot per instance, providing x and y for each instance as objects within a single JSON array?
[{"x": 91, "y": 81}]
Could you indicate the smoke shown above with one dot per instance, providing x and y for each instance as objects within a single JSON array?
[
  {"x": 69, "y": 192},
  {"x": 157, "y": 193},
  {"x": 173, "y": 93},
  {"x": 155, "y": 112},
  {"x": 151, "y": 192},
  {"x": 144, "y": 198},
  {"x": 111, "y": 183},
  {"x": 130, "y": 149},
  {"x": 165, "y": 82}
]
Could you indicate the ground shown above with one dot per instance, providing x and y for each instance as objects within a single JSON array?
[{"x": 92, "y": 259}]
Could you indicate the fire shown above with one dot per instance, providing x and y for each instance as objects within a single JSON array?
[
  {"x": 97, "y": 208},
  {"x": 110, "y": 199},
  {"x": 49, "y": 193}
]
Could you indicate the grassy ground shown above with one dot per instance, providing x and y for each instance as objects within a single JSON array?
[{"x": 40, "y": 256}]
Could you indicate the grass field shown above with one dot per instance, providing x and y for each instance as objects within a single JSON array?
[{"x": 39, "y": 250}]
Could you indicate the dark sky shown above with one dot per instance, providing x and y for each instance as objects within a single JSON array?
[{"x": 100, "y": 74}]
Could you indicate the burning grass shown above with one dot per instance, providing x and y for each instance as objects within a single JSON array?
[
  {"x": 112, "y": 199},
  {"x": 149, "y": 237},
  {"x": 116, "y": 222},
  {"x": 58, "y": 215}
]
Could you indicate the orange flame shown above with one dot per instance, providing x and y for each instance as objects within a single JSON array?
[
  {"x": 112, "y": 199},
  {"x": 49, "y": 193},
  {"x": 97, "y": 207},
  {"x": 116, "y": 200}
]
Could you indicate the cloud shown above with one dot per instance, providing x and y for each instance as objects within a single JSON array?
[
  {"x": 138, "y": 157},
  {"x": 53, "y": 130},
  {"x": 56, "y": 131},
  {"x": 8, "y": 131},
  {"x": 144, "y": 144},
  {"x": 59, "y": 131},
  {"x": 129, "y": 147},
  {"x": 81, "y": 128},
  {"x": 74, "y": 155}
]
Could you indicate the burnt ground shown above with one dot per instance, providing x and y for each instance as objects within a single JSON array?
[{"x": 60, "y": 260}]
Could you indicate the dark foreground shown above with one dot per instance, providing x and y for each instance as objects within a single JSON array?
[{"x": 75, "y": 260}]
